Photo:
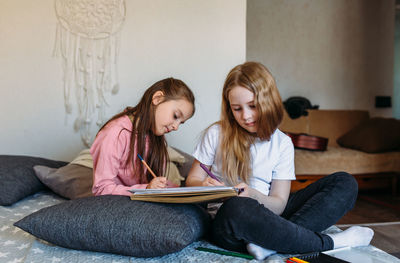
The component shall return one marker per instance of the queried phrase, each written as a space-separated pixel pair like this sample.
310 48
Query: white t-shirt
271 160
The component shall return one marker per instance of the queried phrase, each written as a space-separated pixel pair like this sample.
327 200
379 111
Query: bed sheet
16 243
18 246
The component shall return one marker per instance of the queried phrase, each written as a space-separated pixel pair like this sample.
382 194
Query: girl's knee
346 187
346 180
235 207
233 211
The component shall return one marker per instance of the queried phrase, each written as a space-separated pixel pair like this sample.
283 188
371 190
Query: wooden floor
381 212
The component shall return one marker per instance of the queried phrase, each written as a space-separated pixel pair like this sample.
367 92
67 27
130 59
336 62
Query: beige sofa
372 170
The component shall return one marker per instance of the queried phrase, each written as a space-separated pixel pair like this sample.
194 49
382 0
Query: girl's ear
157 97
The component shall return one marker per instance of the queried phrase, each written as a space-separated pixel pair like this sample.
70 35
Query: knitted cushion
18 180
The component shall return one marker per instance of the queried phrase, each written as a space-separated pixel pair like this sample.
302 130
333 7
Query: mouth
250 124
167 130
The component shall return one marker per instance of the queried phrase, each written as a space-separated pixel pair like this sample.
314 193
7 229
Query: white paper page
182 189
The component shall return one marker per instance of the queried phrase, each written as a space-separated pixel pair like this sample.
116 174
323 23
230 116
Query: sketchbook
196 194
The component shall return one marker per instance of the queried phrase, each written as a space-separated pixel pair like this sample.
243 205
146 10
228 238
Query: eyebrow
235 104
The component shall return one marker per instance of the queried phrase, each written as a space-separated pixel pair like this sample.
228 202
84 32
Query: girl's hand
211 182
245 187
157 183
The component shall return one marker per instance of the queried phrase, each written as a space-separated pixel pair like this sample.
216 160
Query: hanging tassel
89 57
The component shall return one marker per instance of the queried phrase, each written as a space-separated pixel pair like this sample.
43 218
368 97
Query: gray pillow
71 181
116 224
18 180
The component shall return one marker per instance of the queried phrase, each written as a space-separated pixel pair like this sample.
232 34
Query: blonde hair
234 148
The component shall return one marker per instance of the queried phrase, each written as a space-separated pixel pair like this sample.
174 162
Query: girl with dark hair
140 130
246 149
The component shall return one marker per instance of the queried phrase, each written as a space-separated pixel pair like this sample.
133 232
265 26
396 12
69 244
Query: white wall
338 54
197 41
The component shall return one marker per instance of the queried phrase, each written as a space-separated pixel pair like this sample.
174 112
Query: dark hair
143 122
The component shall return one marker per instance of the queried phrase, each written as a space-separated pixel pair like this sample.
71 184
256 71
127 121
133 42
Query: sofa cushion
18 179
116 224
343 159
71 181
332 124
373 136
184 168
176 160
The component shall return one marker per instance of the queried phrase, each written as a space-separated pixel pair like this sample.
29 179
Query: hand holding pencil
211 179
156 182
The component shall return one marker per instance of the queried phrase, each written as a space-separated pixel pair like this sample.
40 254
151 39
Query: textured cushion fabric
175 156
84 158
184 168
71 181
343 159
172 171
116 224
373 136
18 180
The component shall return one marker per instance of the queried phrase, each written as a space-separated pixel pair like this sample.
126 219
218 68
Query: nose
246 114
175 125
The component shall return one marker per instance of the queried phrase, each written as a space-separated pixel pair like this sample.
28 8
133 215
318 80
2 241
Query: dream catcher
87 40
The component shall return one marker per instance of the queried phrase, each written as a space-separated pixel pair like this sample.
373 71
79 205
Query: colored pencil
148 167
296 260
209 172
225 253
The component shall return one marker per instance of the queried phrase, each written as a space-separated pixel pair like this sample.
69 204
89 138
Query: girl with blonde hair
246 149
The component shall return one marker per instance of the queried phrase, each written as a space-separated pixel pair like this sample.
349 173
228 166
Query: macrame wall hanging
87 40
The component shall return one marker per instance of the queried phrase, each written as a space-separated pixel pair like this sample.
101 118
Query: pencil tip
140 157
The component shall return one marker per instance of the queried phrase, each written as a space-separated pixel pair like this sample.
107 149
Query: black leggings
242 220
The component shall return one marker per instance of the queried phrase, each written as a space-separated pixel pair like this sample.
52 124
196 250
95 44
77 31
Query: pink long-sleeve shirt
110 150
